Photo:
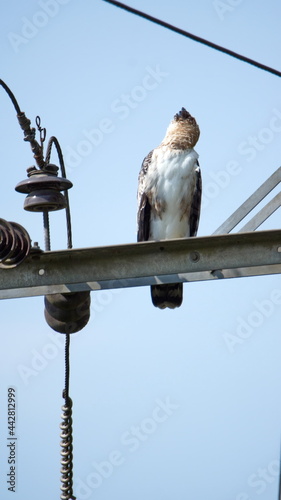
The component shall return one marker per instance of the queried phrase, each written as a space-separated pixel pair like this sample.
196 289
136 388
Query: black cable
46 226
12 97
24 122
66 434
54 140
195 38
67 367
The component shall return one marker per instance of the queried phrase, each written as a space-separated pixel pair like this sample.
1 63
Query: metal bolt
194 256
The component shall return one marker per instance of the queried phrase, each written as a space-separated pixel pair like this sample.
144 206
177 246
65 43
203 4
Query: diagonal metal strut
251 203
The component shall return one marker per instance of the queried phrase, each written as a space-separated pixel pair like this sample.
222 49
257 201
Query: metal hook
38 122
42 130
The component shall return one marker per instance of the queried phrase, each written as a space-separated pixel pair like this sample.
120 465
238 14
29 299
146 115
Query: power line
195 38
12 97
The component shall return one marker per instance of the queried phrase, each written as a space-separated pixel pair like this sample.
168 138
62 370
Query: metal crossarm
138 264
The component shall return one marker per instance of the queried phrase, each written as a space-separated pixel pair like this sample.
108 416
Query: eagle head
184 115
183 131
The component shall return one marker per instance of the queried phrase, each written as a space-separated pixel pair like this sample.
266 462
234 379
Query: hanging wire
46 227
46 221
54 140
66 452
67 367
195 38
66 434
66 424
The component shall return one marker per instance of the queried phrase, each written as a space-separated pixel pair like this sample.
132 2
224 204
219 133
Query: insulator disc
66 326
67 313
68 300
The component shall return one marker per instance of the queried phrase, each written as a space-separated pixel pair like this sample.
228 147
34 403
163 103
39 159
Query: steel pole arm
138 264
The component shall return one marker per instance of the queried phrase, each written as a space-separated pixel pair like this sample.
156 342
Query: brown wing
196 204
144 209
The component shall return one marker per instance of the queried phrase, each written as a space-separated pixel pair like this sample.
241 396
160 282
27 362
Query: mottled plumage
169 195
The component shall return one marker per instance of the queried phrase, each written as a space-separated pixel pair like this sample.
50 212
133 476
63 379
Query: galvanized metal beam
138 264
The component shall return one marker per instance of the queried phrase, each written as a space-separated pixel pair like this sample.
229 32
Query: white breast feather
171 179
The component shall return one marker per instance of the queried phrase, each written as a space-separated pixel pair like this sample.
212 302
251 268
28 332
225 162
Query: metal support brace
251 203
192 259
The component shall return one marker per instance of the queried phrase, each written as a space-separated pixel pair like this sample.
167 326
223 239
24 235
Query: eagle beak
182 114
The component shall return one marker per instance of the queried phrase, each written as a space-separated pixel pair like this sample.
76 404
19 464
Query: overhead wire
12 97
195 38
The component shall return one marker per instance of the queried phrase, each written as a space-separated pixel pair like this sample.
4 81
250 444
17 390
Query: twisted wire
29 133
66 434
29 136
66 452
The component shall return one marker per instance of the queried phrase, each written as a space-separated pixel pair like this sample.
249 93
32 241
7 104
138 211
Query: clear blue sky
164 406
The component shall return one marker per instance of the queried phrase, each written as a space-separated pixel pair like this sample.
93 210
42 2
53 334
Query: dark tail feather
167 295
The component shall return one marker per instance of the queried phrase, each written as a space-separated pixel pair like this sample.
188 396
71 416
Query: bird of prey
169 195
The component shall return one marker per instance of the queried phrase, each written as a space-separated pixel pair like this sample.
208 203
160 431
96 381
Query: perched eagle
169 195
